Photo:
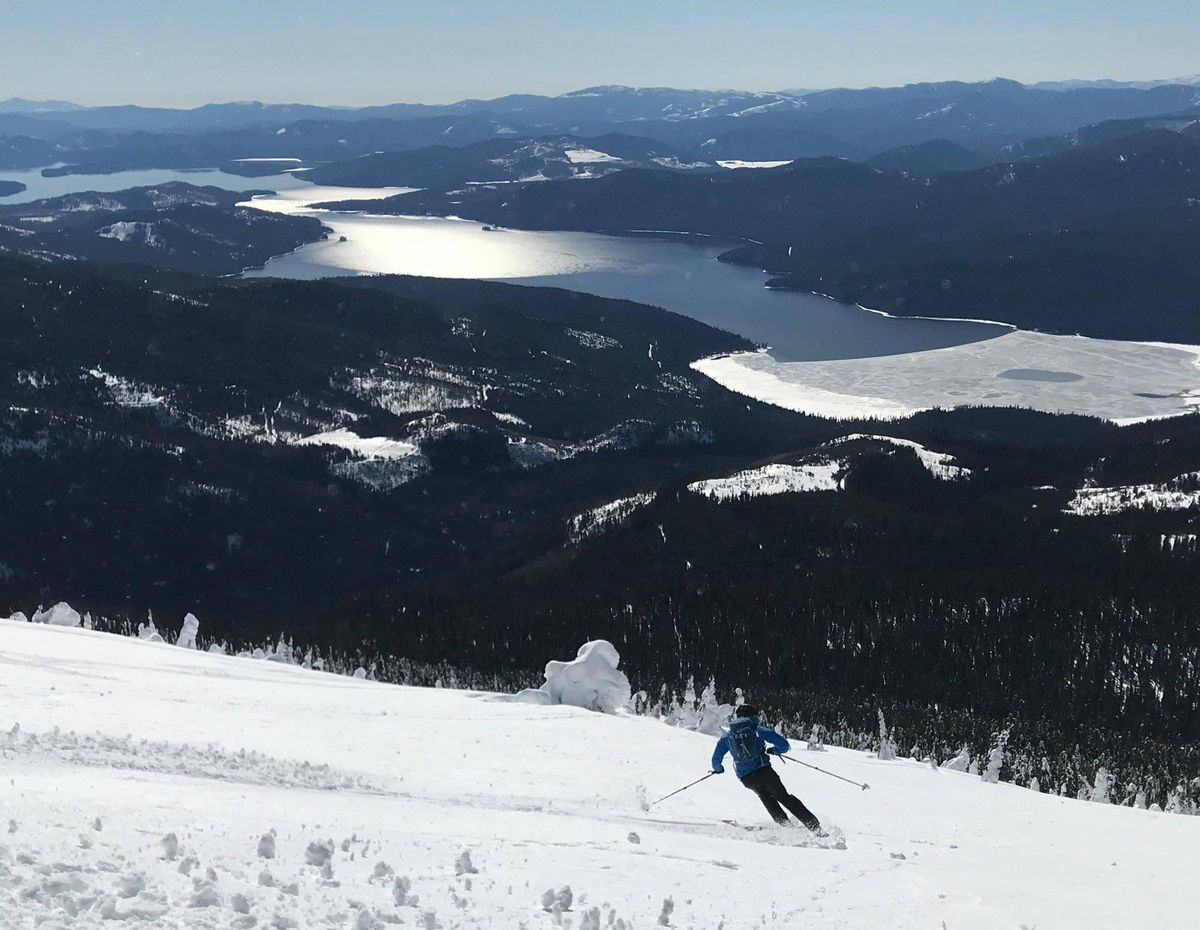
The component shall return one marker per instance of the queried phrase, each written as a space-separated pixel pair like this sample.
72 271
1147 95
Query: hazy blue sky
185 52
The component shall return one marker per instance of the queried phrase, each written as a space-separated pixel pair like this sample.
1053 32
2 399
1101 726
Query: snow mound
591 680
772 479
61 614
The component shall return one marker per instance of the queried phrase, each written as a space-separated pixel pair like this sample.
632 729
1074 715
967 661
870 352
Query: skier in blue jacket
747 742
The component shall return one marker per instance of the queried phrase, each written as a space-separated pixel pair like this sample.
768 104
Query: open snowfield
123 742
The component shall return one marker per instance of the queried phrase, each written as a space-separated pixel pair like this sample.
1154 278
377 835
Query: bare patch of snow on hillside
128 393
603 518
735 163
772 479
586 156
590 340
136 232
939 464
1179 493
367 447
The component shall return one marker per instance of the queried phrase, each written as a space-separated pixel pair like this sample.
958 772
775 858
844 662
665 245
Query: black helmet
746 710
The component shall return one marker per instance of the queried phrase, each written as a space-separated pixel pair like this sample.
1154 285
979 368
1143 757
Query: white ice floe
1124 382
600 519
939 464
219 751
772 479
1179 493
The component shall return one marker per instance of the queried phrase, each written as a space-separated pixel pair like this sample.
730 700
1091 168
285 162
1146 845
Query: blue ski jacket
745 765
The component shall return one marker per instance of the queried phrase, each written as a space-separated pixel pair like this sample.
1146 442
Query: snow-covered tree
887 745
996 759
189 632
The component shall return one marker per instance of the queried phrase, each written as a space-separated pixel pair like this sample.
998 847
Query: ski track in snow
173 772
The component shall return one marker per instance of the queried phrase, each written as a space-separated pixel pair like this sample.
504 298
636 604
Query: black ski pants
770 790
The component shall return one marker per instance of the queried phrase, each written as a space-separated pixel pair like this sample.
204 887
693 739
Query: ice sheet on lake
1124 382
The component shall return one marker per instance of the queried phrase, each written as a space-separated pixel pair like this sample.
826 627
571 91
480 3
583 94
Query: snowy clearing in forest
584 156
368 447
1180 493
939 464
600 519
188 790
771 479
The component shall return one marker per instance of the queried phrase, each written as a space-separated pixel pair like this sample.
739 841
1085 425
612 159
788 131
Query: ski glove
719 770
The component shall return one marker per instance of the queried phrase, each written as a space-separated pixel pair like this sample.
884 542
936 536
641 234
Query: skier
747 742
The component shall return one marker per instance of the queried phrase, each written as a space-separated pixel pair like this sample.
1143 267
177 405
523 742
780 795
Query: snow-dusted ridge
603 518
775 478
188 790
941 465
1179 493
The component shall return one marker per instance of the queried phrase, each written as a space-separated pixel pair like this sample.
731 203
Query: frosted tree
887 745
1101 792
711 713
1177 800
1034 784
815 742
961 762
148 631
189 632
996 759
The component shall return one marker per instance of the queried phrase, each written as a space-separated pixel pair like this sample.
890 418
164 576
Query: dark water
684 277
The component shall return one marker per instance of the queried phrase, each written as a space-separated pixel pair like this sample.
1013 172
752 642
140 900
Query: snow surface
150 805
772 479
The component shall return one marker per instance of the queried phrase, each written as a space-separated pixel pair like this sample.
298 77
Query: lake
681 276
825 358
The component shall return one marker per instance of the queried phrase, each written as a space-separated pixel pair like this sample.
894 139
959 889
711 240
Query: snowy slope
122 742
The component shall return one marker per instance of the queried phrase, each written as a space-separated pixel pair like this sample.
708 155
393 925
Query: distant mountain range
506 160
982 117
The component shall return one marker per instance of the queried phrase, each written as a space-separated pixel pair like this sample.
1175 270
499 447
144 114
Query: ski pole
684 788
863 785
